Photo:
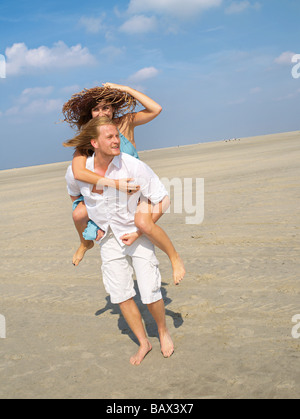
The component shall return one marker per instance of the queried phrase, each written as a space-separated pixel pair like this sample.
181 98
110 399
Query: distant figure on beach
116 102
115 214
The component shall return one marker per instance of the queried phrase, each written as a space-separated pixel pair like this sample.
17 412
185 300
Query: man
114 212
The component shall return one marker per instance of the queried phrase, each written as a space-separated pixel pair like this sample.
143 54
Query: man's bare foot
178 269
141 353
166 344
80 252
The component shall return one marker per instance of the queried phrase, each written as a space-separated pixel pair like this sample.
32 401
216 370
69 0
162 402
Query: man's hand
100 234
130 238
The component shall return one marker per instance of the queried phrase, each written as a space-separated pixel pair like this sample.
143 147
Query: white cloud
31 92
92 24
236 102
180 8
240 6
255 90
36 107
37 91
289 96
216 29
285 58
71 89
144 74
21 59
139 24
112 51
34 101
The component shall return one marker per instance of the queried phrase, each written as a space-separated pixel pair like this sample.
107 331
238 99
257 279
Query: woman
117 102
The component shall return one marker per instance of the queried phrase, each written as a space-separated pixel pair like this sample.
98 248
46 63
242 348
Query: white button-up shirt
113 208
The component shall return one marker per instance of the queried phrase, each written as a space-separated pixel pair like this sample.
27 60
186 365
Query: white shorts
117 270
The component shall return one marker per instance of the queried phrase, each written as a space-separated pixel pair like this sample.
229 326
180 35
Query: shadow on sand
149 322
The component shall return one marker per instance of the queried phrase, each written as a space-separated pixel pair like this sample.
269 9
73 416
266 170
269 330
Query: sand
231 318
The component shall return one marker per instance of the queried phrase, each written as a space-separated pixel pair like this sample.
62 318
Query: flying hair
77 111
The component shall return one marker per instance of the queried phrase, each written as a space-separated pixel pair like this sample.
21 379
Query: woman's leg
80 218
145 219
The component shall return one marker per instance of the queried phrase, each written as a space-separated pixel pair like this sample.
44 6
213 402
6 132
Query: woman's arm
81 173
152 108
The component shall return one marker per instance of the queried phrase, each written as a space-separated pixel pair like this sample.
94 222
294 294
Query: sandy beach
231 317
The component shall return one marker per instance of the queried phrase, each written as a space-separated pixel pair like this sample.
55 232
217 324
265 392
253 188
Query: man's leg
117 277
133 318
148 278
157 310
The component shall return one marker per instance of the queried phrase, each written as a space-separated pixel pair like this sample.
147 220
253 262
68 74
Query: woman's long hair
78 110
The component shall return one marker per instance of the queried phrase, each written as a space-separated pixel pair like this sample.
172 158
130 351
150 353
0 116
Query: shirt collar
116 161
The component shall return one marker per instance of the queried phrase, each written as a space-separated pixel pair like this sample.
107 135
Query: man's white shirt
113 208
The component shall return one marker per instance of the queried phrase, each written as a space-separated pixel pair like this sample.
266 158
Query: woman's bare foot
166 344
141 353
80 252
178 269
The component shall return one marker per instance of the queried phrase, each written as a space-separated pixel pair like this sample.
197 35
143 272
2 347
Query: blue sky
219 68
